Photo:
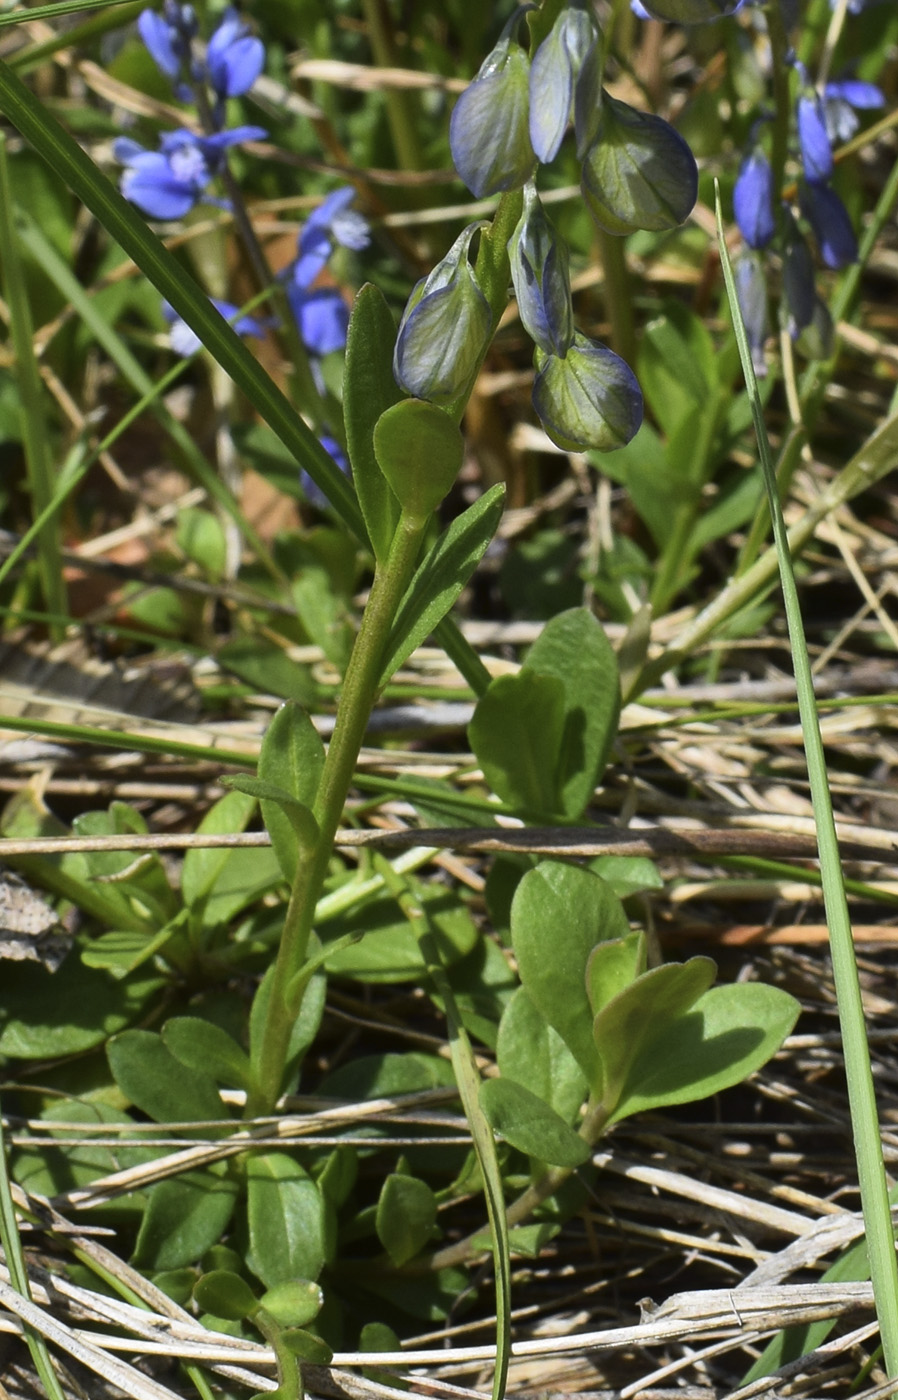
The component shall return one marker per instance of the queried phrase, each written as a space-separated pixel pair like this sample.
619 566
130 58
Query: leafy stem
360 690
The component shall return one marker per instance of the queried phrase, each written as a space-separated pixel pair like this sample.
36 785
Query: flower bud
539 270
444 329
488 131
590 398
553 74
798 282
753 200
816 152
638 173
830 221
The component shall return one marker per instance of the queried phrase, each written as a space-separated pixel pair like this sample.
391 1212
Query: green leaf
47 1014
573 647
152 1079
419 449
441 577
369 389
185 1216
632 1021
406 1215
305 1027
628 874
558 915
531 1125
225 1294
286 1218
727 1034
293 1303
203 1046
516 734
122 950
292 758
203 865
612 966
530 1052
306 1346
300 818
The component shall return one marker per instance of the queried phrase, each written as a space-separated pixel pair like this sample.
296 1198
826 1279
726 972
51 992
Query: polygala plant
586 1025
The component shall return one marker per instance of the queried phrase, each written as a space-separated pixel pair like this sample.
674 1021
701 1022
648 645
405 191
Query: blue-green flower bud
444 329
553 74
489 129
590 398
638 172
539 270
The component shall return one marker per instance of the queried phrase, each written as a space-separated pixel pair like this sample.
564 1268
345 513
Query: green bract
638 173
444 329
590 398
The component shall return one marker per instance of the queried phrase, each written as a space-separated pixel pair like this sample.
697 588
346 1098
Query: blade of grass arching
858 1073
18 1277
30 55
468 1080
59 7
187 451
123 739
33 409
66 158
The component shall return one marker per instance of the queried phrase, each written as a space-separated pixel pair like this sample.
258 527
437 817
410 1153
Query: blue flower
489 132
816 152
168 38
332 222
322 317
444 330
166 184
753 200
831 223
842 100
539 270
185 341
233 57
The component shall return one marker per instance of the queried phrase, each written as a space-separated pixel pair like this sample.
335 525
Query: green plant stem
617 291
360 689
401 114
592 1128
858 1072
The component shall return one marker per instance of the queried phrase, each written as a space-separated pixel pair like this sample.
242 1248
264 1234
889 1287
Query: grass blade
861 1095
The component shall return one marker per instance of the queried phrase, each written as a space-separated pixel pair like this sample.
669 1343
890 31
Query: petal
863 96
590 398
236 68
489 129
323 318
753 200
690 11
816 152
152 186
161 40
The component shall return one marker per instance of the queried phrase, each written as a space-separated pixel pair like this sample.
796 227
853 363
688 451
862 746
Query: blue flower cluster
820 120
169 182
636 173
